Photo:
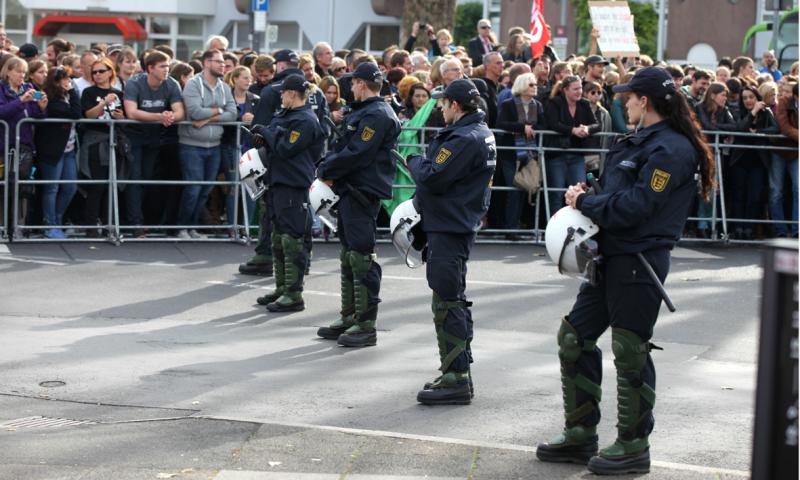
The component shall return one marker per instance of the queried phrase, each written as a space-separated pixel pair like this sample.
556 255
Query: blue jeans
197 164
230 165
145 154
778 166
562 171
56 196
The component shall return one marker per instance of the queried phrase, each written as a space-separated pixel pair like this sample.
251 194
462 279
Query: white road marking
472 443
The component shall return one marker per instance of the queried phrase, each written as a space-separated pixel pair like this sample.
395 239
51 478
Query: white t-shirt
80 84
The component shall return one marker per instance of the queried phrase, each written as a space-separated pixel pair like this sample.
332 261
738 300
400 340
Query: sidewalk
128 442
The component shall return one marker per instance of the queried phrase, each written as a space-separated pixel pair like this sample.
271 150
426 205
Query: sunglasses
485 27
531 84
339 69
592 93
98 72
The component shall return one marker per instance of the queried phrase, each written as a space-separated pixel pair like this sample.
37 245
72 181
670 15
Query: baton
659 286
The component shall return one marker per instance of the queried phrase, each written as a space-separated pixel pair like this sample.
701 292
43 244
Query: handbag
528 177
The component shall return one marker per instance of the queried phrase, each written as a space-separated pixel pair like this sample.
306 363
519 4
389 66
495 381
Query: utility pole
662 29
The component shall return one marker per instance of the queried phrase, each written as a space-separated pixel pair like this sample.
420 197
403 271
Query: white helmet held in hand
407 235
570 246
252 172
323 202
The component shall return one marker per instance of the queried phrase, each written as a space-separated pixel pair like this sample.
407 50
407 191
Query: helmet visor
403 240
254 187
327 216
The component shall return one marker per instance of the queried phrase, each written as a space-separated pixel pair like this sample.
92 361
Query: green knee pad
360 266
569 350
346 282
630 358
440 309
294 267
278 260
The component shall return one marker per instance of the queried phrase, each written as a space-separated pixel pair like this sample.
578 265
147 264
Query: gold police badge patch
366 134
442 156
294 136
659 180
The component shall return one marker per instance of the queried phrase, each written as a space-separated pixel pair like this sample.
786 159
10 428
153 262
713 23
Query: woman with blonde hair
37 73
126 66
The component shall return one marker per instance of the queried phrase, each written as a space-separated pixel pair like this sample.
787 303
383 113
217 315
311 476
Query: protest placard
614 21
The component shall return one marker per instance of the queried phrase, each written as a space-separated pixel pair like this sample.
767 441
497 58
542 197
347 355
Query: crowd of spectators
520 95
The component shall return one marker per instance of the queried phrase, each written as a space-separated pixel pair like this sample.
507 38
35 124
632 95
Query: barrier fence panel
116 230
714 213
8 163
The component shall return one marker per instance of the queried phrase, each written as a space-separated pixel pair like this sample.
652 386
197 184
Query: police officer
361 170
294 140
453 180
648 186
286 63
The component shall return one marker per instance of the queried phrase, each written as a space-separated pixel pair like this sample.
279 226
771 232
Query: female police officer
453 194
647 189
295 141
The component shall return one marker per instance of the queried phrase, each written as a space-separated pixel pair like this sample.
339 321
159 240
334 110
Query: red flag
540 35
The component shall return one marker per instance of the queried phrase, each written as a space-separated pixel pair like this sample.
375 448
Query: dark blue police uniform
268 106
648 187
294 140
362 171
453 180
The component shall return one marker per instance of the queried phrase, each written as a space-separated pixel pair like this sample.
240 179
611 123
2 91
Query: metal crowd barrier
7 164
117 230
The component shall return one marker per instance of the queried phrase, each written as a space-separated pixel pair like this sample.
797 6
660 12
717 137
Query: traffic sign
260 5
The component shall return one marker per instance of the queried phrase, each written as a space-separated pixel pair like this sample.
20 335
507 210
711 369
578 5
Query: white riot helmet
323 202
407 235
570 246
252 172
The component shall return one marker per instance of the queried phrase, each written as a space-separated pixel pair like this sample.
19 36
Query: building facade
185 24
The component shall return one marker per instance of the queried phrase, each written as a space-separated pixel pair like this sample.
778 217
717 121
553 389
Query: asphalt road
162 348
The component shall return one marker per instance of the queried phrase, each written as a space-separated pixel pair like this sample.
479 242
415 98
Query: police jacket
295 141
360 158
453 177
271 100
648 187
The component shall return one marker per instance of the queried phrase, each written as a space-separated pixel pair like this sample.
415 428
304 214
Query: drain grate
42 422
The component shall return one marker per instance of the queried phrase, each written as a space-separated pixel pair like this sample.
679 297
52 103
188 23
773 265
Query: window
16 16
190 26
160 25
360 40
288 36
186 47
381 36
242 35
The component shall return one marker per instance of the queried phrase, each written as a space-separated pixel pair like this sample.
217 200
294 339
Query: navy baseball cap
462 91
653 82
368 71
28 51
295 82
593 59
287 55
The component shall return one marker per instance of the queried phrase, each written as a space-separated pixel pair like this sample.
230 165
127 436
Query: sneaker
184 234
196 235
55 233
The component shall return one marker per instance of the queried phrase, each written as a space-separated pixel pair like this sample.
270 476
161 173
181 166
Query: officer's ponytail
675 109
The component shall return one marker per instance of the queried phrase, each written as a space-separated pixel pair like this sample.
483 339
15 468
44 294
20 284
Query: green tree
467 16
645 24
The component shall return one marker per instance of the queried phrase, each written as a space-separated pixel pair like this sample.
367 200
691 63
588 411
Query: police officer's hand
573 192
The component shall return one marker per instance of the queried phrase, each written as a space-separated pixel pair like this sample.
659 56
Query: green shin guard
279 268
362 332
347 312
291 298
577 443
451 387
635 401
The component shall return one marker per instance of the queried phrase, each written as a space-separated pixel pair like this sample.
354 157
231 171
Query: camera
37 95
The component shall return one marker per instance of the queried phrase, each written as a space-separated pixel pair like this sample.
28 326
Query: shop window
160 25
16 16
190 26
381 36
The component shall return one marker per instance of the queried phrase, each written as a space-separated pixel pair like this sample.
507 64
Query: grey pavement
179 374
